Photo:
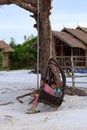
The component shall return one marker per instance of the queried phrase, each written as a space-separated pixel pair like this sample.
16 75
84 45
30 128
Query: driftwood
75 91
28 94
68 91
5 103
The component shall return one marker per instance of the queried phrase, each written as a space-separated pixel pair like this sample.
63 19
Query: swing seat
50 99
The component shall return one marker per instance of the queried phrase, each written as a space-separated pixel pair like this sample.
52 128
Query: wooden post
62 54
86 59
72 63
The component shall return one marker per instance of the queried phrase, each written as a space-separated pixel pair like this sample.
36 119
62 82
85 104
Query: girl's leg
35 104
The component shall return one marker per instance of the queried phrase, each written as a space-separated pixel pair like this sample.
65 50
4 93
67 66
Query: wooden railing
78 61
69 64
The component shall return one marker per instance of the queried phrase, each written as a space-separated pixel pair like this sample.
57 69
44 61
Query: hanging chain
38 44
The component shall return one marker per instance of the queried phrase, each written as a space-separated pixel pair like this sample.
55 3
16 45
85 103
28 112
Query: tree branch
2 2
32 2
30 5
27 7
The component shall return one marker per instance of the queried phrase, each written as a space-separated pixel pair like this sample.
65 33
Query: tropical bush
24 55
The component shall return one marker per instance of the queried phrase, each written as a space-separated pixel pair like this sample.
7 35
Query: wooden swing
46 97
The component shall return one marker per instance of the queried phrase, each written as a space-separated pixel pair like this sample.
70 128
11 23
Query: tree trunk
46 40
47 47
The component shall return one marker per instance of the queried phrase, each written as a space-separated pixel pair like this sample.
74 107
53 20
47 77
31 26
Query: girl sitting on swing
52 90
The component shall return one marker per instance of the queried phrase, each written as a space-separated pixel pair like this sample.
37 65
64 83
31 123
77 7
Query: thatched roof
4 47
82 28
78 34
75 38
69 39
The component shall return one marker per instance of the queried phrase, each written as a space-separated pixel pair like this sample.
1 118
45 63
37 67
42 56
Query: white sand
72 115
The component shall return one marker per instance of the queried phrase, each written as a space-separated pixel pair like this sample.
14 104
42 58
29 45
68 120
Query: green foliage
12 43
1 60
24 55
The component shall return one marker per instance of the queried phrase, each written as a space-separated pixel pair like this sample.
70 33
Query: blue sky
15 22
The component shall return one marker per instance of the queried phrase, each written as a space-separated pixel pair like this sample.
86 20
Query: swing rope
38 44
50 45
51 37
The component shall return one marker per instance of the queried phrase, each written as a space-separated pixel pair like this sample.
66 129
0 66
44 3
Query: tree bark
45 34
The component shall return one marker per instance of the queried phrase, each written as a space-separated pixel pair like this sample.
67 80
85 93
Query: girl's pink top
48 89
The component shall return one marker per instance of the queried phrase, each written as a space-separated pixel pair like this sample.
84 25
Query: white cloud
71 20
16 30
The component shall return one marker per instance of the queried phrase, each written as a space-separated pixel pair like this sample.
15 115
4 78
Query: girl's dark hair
53 82
45 80
42 78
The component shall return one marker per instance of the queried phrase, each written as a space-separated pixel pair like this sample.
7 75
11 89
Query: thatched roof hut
71 43
5 48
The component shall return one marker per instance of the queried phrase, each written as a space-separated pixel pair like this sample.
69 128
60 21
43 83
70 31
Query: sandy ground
71 115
